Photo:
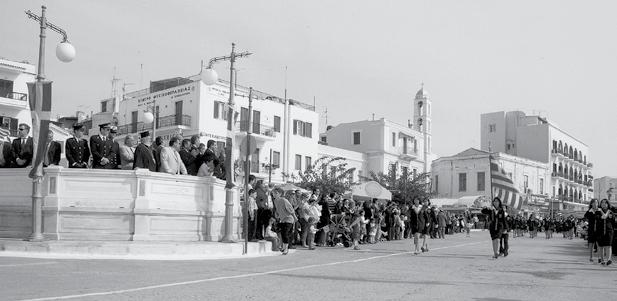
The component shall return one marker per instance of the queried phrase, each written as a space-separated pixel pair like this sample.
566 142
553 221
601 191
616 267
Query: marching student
604 231
496 217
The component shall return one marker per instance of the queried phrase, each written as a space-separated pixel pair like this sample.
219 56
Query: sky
354 58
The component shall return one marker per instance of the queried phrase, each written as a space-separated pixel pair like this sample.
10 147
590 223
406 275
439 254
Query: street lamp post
210 77
65 53
151 116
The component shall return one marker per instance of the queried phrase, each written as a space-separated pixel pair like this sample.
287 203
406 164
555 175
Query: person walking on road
604 231
496 217
417 224
590 215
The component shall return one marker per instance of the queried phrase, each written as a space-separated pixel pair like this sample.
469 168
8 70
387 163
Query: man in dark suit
23 148
101 147
143 153
190 162
53 151
76 148
156 151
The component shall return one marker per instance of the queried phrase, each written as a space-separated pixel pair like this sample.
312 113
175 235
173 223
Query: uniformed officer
76 148
102 148
115 158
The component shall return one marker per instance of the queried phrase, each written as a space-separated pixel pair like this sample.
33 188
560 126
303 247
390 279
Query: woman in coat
604 231
590 216
496 218
426 220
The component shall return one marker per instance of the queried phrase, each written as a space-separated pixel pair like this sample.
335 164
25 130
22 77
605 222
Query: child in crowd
356 226
373 233
272 236
312 229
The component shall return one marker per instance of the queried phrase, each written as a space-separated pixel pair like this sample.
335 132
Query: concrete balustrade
117 205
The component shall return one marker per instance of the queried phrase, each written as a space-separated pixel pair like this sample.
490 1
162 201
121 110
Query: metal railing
162 122
15 95
256 128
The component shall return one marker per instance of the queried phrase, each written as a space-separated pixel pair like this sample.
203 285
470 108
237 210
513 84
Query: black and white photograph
308 150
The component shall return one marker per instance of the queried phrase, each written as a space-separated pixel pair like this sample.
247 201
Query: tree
405 186
326 174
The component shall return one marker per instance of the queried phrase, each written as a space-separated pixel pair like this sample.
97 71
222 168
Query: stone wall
117 205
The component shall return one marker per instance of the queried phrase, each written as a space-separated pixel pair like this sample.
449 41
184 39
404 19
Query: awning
371 190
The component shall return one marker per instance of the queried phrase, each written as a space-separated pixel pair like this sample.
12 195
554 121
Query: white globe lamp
65 52
209 76
148 117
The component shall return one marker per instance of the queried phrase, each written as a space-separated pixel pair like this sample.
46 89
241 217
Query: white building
468 174
539 139
387 145
284 128
605 188
14 106
353 159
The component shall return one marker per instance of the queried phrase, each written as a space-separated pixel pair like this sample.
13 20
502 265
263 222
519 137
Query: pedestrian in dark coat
143 154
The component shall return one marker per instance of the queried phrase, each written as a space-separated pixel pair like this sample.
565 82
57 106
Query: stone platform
136 250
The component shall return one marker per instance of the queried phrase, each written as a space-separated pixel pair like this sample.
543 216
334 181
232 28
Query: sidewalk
133 250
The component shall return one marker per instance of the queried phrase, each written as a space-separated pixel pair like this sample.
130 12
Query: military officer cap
104 126
78 126
144 134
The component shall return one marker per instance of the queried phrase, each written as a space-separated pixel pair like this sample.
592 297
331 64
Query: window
393 139
298 162
324 139
415 173
308 162
6 88
436 183
103 106
134 122
404 145
219 111
244 119
405 170
179 112
304 129
541 191
481 182
356 138
277 124
276 159
255 161
525 183
492 128
462 182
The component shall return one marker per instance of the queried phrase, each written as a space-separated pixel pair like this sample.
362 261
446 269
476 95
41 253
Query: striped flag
503 187
4 133
41 114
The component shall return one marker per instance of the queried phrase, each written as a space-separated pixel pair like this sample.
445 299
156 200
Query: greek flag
503 187
41 114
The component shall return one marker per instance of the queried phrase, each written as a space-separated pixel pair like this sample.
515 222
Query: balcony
163 122
14 99
260 132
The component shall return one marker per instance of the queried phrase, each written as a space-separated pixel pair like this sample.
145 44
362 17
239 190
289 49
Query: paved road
457 268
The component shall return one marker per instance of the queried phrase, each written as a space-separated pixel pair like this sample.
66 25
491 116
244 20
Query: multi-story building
14 106
605 188
539 139
284 129
387 145
468 174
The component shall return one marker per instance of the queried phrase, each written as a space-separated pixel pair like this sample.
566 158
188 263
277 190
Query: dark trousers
252 226
503 243
286 232
263 217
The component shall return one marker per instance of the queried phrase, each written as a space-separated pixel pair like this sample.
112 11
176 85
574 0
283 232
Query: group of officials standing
102 152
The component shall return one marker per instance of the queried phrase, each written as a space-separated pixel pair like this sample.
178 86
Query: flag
4 133
41 114
503 187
